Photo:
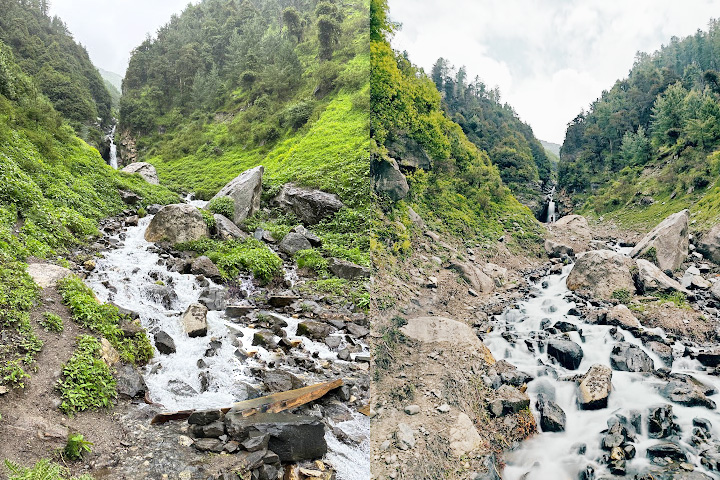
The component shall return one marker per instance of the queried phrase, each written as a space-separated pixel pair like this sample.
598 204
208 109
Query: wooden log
277 402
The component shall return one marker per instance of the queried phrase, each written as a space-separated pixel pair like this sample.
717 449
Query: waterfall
551 216
112 159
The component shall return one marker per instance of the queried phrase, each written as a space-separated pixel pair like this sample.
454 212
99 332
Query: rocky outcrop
509 400
46 275
667 244
552 417
347 270
293 243
245 191
145 170
595 387
621 316
409 153
475 277
651 279
558 250
568 353
599 273
627 357
194 320
177 223
389 180
225 229
709 244
309 205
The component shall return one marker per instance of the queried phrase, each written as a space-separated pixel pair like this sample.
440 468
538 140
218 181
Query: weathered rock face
510 400
685 391
651 279
667 244
293 243
558 250
627 357
347 270
599 273
409 153
568 353
595 387
145 170
47 275
464 438
195 320
552 417
163 294
477 279
177 223
226 229
621 316
245 190
709 244
310 206
389 180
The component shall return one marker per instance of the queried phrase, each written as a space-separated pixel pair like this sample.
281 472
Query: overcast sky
550 58
110 29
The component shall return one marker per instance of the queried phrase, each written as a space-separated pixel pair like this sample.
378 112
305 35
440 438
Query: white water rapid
551 215
112 158
131 277
554 456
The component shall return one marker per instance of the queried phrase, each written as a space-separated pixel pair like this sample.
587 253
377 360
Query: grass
677 298
105 320
86 382
385 347
42 470
341 290
51 322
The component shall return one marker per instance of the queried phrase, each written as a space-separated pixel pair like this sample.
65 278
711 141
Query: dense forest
649 140
456 189
494 127
60 67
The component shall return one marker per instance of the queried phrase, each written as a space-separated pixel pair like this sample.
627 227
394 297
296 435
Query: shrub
76 447
208 217
222 206
86 381
313 260
51 322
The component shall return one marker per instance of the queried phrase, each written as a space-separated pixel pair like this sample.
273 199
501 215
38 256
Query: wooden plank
277 402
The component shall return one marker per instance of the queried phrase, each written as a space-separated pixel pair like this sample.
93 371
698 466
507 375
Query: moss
623 295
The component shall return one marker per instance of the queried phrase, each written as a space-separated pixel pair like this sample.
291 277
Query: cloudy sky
550 58
110 29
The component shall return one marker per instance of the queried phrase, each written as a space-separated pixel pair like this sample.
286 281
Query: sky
550 58
111 29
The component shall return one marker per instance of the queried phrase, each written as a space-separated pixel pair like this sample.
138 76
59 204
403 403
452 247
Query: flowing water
551 214
131 277
112 158
554 455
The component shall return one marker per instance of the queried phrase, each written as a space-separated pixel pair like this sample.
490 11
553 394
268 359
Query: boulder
568 353
651 279
164 343
595 387
46 275
509 400
308 205
409 153
552 417
204 266
145 170
464 437
293 243
194 320
177 223
599 273
684 391
627 357
558 250
446 330
225 229
130 383
214 298
475 277
161 294
281 380
128 197
348 270
315 330
709 244
405 437
314 240
293 438
667 244
245 191
573 223
389 180
666 450
709 358
621 316
660 422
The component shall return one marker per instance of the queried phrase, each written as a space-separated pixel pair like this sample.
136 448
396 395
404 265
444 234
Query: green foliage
104 319
222 206
51 322
208 217
623 295
313 260
86 382
42 470
679 299
234 256
76 447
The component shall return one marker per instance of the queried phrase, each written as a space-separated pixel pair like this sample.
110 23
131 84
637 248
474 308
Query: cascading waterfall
112 158
550 218
557 455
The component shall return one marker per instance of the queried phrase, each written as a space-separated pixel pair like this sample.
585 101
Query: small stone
412 409
444 408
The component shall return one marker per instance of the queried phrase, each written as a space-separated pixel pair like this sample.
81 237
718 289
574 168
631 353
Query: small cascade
112 158
551 215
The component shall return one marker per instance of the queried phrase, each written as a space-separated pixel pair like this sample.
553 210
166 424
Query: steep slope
60 67
646 147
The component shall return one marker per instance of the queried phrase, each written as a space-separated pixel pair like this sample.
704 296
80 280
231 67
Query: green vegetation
647 147
76 447
623 295
313 260
60 67
104 319
677 298
86 381
222 206
43 470
51 322
385 348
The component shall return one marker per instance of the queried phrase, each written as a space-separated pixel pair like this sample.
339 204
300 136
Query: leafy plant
234 256
208 217
86 381
623 295
313 260
51 322
222 206
76 447
44 469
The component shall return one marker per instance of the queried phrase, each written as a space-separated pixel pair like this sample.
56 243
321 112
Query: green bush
51 322
86 381
222 206
313 260
76 447
42 470
208 217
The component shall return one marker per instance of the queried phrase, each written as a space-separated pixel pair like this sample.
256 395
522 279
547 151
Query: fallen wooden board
277 402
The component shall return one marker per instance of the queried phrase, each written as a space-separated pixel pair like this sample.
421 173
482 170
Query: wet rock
389 180
684 391
225 229
666 450
177 223
264 338
204 417
667 244
245 191
348 270
709 358
182 389
154 208
464 437
651 279
405 437
357 331
204 266
214 298
145 170
595 387
627 357
709 244
660 422
279 300
509 400
661 350
568 353
162 294
130 383
293 243
552 417
238 311
315 330
164 343
310 206
194 320
599 273
281 380
293 438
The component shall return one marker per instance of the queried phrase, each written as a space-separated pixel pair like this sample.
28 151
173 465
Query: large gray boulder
177 223
627 357
709 244
667 244
409 153
389 180
651 279
475 277
552 416
194 320
568 353
145 170
293 243
599 273
595 387
46 275
226 229
245 191
309 205
347 270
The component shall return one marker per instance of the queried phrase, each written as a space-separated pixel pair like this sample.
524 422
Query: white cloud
550 58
